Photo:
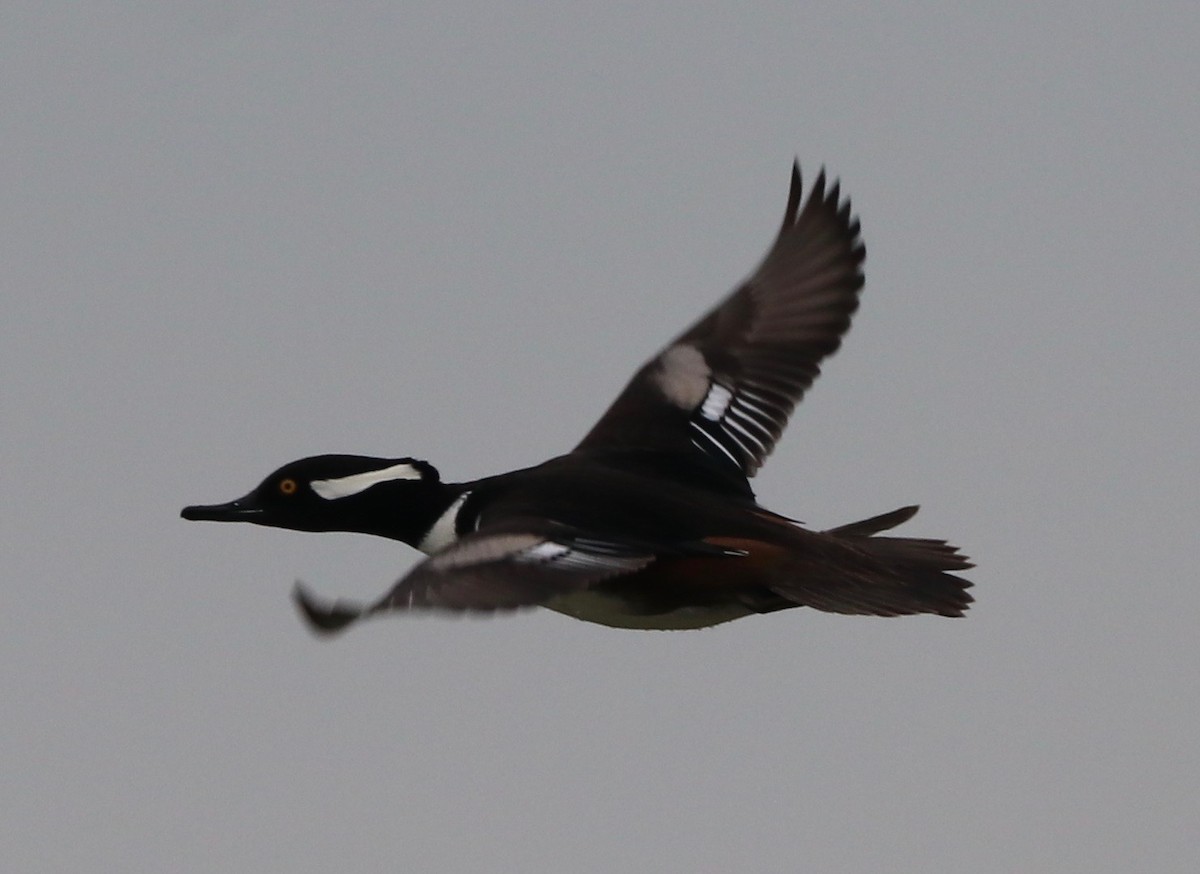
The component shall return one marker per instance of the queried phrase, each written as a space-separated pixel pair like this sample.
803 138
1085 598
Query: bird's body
650 522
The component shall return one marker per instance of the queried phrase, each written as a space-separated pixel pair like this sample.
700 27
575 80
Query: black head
390 497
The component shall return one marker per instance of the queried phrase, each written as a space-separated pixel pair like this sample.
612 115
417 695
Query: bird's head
337 493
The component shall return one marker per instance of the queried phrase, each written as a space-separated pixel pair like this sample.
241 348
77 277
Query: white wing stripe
744 404
715 442
729 423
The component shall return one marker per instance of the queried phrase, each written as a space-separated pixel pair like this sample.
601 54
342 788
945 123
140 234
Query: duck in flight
650 522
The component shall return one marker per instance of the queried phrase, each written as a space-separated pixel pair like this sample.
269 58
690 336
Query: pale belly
604 609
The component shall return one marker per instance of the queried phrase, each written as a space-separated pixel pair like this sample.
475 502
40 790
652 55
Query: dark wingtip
324 617
793 203
818 189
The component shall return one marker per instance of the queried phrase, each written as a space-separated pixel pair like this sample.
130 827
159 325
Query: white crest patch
683 376
345 486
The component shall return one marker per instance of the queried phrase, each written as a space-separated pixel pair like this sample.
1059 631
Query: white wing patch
683 376
483 550
739 422
530 549
569 557
345 486
728 422
546 551
716 402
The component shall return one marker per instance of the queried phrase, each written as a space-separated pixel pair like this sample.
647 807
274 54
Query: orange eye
287 486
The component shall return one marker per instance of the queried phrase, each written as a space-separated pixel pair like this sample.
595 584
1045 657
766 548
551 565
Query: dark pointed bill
241 510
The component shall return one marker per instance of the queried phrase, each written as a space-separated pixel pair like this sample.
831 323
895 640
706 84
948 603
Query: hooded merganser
650 522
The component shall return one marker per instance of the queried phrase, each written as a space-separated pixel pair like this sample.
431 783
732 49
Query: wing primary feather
793 203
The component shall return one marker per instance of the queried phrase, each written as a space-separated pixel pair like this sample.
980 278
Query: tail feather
881 576
875 524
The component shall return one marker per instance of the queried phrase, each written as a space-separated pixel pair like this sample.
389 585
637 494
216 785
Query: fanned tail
881 576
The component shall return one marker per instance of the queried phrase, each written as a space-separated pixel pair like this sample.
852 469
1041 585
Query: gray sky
235 236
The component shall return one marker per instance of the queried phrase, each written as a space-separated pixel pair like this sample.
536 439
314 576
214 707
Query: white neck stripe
444 531
344 486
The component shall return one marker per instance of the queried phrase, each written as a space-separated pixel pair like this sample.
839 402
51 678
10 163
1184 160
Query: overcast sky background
235 235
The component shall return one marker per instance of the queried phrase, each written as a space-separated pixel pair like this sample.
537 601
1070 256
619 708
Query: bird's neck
408 515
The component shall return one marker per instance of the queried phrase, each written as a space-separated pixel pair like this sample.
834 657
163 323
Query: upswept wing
726 386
